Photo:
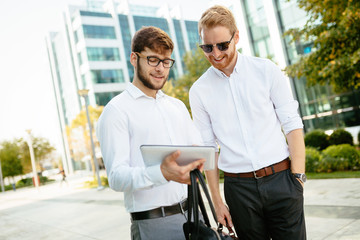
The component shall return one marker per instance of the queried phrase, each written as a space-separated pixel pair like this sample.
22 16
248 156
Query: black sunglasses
223 46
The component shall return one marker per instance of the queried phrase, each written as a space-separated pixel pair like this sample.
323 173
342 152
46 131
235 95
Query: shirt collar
137 93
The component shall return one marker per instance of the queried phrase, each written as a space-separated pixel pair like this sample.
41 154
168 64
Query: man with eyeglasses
244 105
154 196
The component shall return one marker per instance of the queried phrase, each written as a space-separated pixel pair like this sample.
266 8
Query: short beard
145 80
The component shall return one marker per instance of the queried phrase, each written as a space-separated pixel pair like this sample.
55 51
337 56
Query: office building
93 48
262 24
92 51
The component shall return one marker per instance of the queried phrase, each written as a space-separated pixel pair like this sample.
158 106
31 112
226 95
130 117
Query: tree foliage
196 64
42 151
78 133
10 156
81 119
334 27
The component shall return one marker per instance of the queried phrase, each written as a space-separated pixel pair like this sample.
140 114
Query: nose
216 52
160 67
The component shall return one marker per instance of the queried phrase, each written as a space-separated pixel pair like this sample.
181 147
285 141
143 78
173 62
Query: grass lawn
347 174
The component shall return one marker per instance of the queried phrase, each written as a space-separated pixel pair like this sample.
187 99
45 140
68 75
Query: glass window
161 23
103 98
180 40
126 37
192 32
80 58
103 54
76 35
95 14
107 76
351 118
83 79
99 32
258 28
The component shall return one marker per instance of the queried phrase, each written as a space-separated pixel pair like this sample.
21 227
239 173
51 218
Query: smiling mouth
218 59
158 77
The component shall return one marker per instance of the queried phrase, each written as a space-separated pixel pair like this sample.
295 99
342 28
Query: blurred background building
262 24
92 52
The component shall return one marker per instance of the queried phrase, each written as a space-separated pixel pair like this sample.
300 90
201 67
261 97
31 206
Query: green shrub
317 139
8 187
313 158
340 157
94 183
341 136
24 182
359 138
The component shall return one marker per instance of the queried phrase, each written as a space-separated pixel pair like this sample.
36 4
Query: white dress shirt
130 120
245 113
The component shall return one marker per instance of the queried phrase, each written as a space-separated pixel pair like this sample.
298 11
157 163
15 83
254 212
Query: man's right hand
172 171
222 213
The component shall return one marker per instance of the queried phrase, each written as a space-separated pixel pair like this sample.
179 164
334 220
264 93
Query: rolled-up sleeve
286 107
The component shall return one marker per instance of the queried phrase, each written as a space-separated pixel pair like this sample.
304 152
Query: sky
26 93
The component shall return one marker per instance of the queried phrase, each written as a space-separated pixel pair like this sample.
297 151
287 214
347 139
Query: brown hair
153 38
217 16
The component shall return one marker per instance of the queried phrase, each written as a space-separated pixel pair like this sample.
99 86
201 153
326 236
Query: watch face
303 178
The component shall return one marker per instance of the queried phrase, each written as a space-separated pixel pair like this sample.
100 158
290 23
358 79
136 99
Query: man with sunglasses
244 105
142 114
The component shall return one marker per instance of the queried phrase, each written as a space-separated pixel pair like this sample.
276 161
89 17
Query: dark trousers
267 208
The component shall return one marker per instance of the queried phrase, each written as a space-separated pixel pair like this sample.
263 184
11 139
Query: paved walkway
332 210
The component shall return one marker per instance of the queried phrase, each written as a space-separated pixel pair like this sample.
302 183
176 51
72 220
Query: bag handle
206 191
196 174
193 202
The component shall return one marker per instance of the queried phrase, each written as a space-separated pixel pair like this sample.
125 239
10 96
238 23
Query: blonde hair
217 16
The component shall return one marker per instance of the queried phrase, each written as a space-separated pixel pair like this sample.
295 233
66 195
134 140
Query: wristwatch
301 176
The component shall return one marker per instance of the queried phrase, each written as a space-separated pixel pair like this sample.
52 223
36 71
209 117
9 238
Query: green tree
196 64
334 28
10 156
80 147
42 150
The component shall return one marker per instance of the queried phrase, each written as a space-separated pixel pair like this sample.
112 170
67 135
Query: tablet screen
154 154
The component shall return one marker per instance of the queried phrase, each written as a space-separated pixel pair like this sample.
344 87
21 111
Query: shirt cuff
155 175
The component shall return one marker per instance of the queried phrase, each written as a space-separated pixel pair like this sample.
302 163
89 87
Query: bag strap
204 187
193 205
202 206
203 209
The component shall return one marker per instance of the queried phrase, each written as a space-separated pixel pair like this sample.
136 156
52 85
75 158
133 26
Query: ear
133 59
236 37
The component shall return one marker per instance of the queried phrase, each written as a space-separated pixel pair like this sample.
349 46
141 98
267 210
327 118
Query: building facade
262 24
93 49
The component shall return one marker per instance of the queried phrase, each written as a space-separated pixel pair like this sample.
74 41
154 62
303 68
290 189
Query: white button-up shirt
130 120
245 113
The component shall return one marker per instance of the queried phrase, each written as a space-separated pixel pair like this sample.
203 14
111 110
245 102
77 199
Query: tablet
154 154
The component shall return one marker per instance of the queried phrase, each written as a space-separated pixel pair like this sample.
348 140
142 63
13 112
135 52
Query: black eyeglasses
155 61
223 46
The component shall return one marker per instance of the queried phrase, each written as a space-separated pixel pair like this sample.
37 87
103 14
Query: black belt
161 211
266 171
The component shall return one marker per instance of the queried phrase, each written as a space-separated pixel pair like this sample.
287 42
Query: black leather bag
198 229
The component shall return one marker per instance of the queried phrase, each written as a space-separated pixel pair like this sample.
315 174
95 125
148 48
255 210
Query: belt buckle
256 177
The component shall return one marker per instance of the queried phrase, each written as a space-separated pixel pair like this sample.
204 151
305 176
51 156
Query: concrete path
332 211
